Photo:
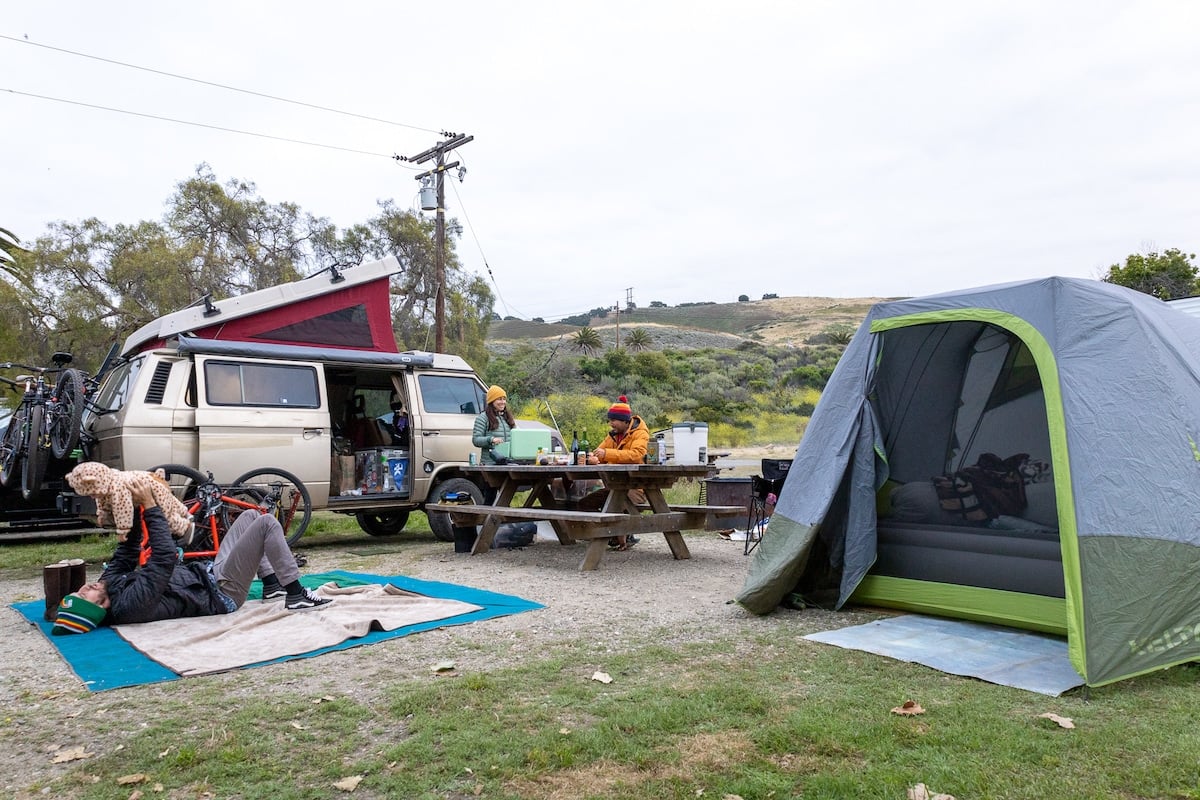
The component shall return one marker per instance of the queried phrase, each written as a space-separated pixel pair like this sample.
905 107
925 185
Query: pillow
1042 506
918 502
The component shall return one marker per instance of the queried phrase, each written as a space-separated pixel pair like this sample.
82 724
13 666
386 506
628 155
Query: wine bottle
574 447
587 451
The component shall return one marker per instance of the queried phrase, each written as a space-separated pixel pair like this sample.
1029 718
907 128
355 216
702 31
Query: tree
10 246
638 340
96 283
587 341
1167 275
743 298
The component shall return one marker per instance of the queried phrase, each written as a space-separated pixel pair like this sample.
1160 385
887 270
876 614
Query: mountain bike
214 506
45 423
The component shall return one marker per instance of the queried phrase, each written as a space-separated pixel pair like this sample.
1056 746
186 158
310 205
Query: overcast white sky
686 151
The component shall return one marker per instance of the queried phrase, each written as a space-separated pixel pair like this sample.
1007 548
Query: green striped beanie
76 615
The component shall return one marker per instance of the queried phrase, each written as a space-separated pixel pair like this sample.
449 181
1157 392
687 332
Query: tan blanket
264 630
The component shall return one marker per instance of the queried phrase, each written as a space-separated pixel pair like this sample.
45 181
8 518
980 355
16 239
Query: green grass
784 719
762 715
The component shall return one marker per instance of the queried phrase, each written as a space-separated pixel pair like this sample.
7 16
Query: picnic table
619 516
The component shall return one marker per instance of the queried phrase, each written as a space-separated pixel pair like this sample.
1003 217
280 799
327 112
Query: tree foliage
1168 275
95 283
587 341
639 339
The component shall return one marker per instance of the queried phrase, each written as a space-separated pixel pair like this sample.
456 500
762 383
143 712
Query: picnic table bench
618 517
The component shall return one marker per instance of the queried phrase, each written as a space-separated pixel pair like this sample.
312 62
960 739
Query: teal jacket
481 437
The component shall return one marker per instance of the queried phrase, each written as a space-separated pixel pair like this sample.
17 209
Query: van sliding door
256 413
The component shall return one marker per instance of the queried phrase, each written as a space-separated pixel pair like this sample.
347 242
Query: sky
639 151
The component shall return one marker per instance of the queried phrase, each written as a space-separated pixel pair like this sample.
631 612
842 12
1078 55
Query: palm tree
10 245
638 340
588 341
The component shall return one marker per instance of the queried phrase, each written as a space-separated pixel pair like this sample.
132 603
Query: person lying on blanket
163 588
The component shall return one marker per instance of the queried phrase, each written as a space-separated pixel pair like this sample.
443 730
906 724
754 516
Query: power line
218 85
197 124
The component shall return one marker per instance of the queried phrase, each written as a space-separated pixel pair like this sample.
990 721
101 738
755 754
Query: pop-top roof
345 309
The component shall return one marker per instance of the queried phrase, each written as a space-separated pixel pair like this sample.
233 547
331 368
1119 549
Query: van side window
229 383
442 394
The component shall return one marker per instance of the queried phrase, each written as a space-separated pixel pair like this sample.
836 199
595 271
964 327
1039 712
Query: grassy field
760 714
757 717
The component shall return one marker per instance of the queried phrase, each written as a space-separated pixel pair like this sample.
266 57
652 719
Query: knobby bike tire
67 413
36 456
294 509
11 449
185 483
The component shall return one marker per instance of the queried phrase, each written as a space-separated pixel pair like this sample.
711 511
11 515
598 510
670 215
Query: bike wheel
11 448
279 493
67 413
36 456
194 489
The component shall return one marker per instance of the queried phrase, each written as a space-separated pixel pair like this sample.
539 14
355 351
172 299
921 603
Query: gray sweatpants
254 545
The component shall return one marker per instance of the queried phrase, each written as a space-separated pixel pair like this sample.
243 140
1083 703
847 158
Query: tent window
1018 377
346 327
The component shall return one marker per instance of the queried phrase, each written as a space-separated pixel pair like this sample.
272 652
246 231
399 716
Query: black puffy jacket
162 588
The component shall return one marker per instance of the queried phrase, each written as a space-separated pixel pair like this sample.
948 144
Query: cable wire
218 85
478 246
200 124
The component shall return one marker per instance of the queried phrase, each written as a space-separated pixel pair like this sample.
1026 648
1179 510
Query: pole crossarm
438 152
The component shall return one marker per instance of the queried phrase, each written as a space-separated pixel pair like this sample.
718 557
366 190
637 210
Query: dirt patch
43 705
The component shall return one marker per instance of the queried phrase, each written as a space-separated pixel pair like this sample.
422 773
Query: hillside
780 321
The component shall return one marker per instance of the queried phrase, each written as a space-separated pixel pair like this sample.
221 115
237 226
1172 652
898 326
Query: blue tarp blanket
104 660
1022 659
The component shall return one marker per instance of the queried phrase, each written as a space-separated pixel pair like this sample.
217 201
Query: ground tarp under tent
1023 454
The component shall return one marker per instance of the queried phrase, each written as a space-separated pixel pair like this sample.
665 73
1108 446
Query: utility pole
618 308
438 152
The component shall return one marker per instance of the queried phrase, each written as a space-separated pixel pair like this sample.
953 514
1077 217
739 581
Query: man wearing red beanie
626 443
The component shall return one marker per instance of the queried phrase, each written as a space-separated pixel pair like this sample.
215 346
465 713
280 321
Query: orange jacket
632 448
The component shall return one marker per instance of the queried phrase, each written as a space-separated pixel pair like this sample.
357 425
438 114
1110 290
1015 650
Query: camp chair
760 508
364 431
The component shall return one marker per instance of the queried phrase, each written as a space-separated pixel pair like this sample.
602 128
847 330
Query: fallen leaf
921 792
297 725
731 797
910 709
325 699
349 784
163 754
158 787
444 666
136 794
136 777
603 677
1062 722
564 731
71 754
478 789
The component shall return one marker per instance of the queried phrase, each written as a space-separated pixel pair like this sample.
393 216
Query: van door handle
311 433
431 433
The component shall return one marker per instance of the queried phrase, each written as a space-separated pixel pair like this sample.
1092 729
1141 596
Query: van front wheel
439 521
388 524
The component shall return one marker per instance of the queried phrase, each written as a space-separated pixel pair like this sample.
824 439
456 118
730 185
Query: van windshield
114 392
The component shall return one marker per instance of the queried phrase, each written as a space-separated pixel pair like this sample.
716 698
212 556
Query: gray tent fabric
1101 382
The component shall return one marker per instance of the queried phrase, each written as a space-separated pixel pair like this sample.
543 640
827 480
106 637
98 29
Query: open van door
256 413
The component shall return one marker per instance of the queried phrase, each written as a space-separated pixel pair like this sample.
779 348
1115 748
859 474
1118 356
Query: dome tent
1100 383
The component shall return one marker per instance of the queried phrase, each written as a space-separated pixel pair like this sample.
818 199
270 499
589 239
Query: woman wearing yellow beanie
493 425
